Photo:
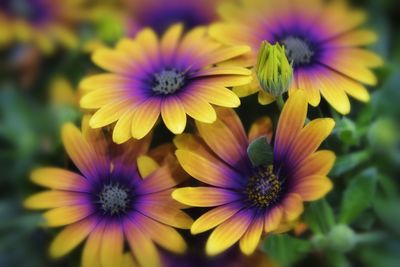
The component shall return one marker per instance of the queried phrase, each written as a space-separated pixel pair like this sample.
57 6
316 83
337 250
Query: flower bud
274 72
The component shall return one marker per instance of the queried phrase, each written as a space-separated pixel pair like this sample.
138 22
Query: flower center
168 81
114 199
263 187
298 50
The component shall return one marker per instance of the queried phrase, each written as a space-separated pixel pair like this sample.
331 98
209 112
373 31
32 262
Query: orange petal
272 219
292 206
311 188
112 245
291 121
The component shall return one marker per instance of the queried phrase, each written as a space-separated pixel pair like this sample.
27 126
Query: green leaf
286 249
319 216
348 162
347 131
260 152
358 195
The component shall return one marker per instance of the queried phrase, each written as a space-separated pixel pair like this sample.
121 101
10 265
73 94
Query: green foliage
260 152
319 216
286 249
358 195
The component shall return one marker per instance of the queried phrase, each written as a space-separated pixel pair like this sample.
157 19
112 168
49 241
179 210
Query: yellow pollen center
263 187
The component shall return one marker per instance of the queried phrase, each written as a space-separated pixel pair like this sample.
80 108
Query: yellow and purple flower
119 195
39 22
161 14
251 200
173 77
322 41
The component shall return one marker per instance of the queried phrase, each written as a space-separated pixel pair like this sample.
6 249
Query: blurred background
45 48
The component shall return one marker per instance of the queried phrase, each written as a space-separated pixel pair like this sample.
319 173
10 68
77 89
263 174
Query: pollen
168 81
298 50
114 199
263 187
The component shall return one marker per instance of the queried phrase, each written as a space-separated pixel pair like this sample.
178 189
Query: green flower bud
273 69
341 238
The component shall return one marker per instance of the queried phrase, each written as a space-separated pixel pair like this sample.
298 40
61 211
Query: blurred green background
358 224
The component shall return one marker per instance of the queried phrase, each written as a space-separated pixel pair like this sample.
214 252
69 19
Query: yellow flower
173 77
322 39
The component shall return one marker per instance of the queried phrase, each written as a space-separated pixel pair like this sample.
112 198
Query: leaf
347 131
260 152
319 217
348 162
358 195
286 249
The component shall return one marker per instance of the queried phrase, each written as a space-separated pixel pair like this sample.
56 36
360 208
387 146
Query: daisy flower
160 14
39 22
251 200
322 41
111 201
173 77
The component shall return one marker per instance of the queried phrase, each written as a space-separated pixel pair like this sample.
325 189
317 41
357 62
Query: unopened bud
274 72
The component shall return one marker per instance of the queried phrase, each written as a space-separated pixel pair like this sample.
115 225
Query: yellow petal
292 206
60 179
265 98
198 108
163 235
142 247
213 218
110 112
91 251
122 129
261 127
53 199
204 196
291 120
146 165
320 162
173 114
112 245
145 117
210 172
250 240
71 237
170 41
228 233
312 187
272 219
219 96
113 61
66 215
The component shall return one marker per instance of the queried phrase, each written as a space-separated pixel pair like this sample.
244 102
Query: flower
110 200
273 69
41 23
174 76
161 14
251 200
322 41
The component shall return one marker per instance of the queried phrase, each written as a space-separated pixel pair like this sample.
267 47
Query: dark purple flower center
32 10
263 187
168 81
114 199
298 50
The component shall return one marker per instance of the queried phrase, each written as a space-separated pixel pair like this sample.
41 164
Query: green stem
280 102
